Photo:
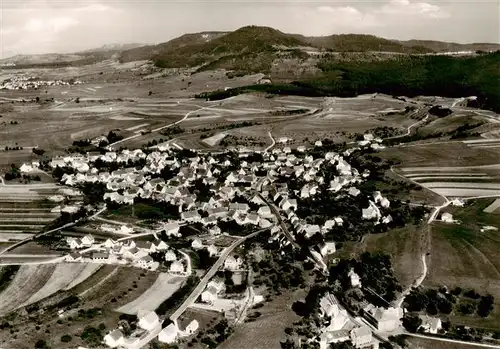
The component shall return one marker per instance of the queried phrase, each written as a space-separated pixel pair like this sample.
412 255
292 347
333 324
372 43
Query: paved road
210 273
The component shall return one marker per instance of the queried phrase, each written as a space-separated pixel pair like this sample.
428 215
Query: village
252 191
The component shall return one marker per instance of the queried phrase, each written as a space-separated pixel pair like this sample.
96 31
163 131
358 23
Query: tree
66 338
412 323
41 344
485 306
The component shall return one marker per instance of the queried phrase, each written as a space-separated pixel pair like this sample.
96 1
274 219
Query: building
176 267
355 279
361 337
447 217
168 334
114 339
431 324
385 320
148 320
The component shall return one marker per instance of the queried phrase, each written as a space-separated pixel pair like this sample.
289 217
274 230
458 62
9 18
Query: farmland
467 256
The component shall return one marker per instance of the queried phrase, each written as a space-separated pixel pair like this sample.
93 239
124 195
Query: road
284 228
408 130
482 345
417 282
210 273
166 126
272 140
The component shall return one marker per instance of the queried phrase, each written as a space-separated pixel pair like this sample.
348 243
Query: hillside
363 43
439 46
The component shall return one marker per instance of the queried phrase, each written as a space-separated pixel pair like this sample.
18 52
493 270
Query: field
164 286
404 245
268 329
467 256
99 290
423 343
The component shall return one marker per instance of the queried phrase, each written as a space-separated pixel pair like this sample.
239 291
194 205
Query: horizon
54 27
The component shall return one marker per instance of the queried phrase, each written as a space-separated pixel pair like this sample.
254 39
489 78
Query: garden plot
28 280
211 141
164 286
61 277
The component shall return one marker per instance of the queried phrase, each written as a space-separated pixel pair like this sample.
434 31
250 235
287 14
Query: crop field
441 154
424 343
460 181
164 286
467 256
23 209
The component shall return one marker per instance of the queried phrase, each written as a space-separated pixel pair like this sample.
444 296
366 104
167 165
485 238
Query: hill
114 48
364 43
439 46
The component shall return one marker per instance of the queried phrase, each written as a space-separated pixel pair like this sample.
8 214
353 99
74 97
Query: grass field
422 343
463 255
267 330
403 245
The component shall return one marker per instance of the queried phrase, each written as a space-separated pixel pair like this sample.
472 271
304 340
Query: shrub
66 338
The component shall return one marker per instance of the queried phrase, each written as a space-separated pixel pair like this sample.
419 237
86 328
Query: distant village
19 82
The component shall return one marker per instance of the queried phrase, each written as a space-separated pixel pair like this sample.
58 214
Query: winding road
272 140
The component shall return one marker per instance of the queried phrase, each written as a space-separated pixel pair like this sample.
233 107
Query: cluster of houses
148 322
127 251
31 82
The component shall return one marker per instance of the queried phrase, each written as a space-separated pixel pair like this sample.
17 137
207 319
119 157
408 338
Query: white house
371 212
233 263
197 244
170 256
114 339
361 336
447 217
176 267
171 228
385 320
288 204
353 191
148 320
430 324
191 328
168 334
87 240
355 279
328 248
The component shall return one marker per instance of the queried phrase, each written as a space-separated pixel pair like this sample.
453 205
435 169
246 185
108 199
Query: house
170 256
265 212
212 250
430 324
327 248
329 307
215 230
371 212
148 320
212 290
355 279
447 217
318 144
329 224
330 337
176 267
361 337
191 216
145 262
252 218
100 256
160 245
339 221
168 334
171 228
288 204
74 243
310 230
114 339
385 320
233 263
73 257
197 244
87 240
457 202
301 148
353 191
191 328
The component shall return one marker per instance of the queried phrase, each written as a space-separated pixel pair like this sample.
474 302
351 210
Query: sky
62 26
